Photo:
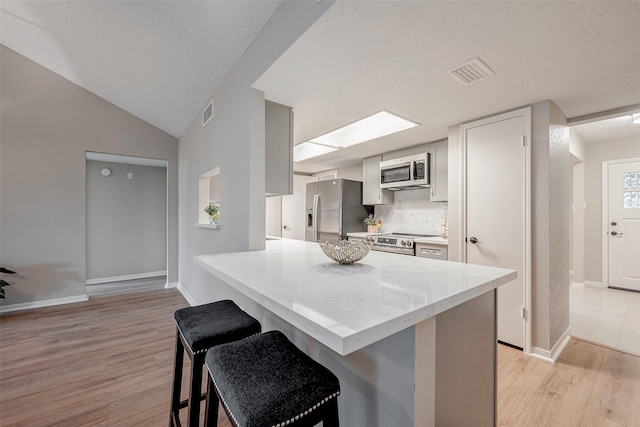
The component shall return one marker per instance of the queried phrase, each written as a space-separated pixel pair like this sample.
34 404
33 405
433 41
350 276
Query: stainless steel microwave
406 173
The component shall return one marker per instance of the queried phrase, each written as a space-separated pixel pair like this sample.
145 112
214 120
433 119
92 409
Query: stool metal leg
195 391
211 407
177 381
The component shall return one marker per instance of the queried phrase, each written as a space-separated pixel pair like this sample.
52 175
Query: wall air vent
471 72
207 114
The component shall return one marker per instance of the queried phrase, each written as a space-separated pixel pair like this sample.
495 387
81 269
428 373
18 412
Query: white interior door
623 226
496 203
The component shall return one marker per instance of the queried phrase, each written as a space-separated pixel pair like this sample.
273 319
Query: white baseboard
596 284
127 277
556 350
40 304
171 285
190 299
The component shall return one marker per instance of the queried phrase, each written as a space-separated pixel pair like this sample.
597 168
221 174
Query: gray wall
126 220
47 125
595 154
234 141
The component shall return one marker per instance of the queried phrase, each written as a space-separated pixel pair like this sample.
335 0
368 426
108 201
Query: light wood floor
107 362
588 386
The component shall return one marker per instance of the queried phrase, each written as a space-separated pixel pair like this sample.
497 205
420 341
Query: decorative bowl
345 252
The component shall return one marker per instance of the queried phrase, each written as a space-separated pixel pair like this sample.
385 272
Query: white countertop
433 240
347 307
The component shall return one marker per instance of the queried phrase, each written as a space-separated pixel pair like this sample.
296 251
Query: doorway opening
599 313
126 223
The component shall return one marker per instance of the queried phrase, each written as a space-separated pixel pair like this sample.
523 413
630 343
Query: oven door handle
401 251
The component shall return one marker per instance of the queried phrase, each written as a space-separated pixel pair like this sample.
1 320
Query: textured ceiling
362 57
604 130
159 60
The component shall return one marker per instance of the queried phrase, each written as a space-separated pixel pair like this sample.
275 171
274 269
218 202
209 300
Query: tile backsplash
412 212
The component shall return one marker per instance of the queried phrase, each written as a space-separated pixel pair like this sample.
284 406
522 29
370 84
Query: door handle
474 240
286 227
615 233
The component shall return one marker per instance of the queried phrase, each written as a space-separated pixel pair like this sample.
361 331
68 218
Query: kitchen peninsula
412 340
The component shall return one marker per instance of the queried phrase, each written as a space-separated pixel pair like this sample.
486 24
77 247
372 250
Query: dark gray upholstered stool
265 380
198 329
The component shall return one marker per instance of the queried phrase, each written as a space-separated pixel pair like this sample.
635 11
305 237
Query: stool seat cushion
219 322
265 380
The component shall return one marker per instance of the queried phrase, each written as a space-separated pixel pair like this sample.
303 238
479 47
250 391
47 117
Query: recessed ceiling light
380 124
307 150
636 118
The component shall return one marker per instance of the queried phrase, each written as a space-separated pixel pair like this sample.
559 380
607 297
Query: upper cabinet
372 194
439 171
278 149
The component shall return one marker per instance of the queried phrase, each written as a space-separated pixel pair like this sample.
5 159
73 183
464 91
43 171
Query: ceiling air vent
207 114
471 72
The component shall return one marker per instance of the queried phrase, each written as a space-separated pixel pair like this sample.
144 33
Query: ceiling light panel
375 126
307 150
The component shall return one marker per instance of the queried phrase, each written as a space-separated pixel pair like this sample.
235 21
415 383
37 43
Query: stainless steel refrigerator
334 208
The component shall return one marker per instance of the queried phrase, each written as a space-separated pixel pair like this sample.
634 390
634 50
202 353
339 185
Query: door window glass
631 180
632 199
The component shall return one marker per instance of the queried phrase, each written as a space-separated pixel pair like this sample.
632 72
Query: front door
496 203
623 227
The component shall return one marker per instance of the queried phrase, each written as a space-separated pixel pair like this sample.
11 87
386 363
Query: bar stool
198 329
264 380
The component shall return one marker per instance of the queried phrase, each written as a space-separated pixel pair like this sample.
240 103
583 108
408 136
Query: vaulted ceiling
161 60
158 60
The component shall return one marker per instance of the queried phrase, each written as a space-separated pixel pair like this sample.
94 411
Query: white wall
234 141
47 125
576 243
595 154
352 172
126 220
577 224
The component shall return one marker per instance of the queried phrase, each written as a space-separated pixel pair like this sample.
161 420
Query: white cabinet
372 194
439 171
278 154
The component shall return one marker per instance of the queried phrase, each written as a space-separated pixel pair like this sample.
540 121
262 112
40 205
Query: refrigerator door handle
316 202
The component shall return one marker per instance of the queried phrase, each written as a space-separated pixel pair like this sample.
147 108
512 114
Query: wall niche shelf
209 226
208 191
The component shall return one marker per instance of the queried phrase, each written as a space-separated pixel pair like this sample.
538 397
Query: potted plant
372 224
213 210
2 282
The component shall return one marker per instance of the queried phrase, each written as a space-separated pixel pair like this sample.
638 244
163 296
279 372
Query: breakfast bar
412 340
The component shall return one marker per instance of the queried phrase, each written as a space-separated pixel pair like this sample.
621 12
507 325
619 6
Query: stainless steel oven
397 243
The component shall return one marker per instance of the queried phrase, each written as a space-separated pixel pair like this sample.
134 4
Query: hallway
605 316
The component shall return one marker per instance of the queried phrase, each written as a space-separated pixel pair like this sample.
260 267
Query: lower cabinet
433 251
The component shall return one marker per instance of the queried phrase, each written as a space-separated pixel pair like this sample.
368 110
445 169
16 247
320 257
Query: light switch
129 175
